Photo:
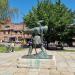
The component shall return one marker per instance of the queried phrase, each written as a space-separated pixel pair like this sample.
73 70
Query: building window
7 26
8 32
4 32
15 32
20 38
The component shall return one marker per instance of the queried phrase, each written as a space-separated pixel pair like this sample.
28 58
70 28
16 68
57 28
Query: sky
24 6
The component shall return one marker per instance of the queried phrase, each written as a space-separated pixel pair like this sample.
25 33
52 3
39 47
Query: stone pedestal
37 63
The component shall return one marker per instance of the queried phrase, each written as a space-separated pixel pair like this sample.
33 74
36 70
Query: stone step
36 63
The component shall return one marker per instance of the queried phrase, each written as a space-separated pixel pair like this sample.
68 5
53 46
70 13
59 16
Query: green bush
2 48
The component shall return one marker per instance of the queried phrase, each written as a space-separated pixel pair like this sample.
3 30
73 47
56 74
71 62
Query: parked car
53 46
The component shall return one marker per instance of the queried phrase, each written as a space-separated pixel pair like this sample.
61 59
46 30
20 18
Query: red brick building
12 32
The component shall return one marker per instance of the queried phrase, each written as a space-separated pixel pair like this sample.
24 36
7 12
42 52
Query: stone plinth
36 63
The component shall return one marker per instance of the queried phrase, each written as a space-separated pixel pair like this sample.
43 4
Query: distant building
12 32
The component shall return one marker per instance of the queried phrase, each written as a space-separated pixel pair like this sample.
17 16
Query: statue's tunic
37 40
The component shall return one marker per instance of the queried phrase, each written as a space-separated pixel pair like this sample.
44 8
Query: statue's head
35 32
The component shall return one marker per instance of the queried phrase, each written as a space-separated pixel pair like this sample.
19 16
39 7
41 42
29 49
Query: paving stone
63 69
20 73
54 72
59 59
32 73
67 57
44 72
73 56
65 64
71 64
61 64
67 73
34 70
2 69
21 70
54 69
6 73
71 69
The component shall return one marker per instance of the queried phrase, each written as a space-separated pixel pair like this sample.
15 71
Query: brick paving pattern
65 64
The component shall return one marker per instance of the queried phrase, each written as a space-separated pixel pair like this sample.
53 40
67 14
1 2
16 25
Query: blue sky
25 6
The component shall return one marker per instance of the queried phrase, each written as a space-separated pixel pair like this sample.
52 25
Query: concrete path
65 64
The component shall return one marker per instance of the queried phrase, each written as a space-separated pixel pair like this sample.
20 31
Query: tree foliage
47 11
6 11
55 15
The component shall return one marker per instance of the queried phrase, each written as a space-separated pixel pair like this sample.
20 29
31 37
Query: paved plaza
65 64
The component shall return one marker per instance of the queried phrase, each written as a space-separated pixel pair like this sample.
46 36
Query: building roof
12 26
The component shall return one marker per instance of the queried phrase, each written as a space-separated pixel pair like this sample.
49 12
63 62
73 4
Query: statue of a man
34 42
37 42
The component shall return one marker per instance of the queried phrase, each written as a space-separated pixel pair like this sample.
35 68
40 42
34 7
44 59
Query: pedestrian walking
7 48
12 46
30 47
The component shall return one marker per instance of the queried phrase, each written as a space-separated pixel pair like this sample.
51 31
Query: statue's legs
35 48
30 50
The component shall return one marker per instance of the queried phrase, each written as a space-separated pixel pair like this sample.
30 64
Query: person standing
12 46
30 47
7 48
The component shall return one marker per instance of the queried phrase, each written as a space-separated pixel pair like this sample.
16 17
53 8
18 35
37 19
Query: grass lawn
65 50
69 50
3 49
18 48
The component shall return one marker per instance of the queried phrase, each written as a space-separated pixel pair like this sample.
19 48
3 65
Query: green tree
68 34
61 17
6 11
55 15
40 12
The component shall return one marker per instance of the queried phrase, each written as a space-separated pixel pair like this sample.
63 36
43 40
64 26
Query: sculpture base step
37 63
